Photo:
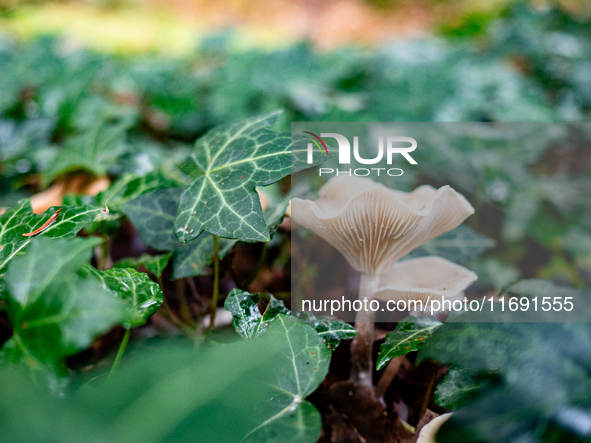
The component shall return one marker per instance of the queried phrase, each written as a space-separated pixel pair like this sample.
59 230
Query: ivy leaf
286 416
20 220
330 330
275 213
153 216
222 393
153 263
95 150
140 296
192 258
459 245
11 233
131 186
459 386
249 322
226 166
410 335
246 316
54 310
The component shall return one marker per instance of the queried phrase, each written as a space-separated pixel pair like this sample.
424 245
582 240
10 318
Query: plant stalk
428 392
362 344
105 248
216 280
390 372
120 353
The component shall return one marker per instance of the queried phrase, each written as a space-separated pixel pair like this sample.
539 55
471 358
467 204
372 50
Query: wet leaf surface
410 334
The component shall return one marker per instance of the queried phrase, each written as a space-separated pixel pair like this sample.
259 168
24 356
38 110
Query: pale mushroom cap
372 225
427 434
425 279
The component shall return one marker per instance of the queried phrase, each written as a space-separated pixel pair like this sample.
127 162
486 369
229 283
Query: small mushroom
427 434
424 279
374 226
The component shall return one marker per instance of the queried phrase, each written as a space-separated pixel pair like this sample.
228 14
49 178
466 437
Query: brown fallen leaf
77 184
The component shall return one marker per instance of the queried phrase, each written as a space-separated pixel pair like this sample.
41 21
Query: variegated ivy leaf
227 164
139 295
20 220
246 316
153 216
330 330
249 322
153 263
410 335
131 186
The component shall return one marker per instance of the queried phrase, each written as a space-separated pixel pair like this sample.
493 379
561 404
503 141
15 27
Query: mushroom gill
373 226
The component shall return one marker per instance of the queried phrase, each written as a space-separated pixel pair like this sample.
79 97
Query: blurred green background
100 89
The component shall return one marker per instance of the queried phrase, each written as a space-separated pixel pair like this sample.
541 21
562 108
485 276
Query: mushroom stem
362 344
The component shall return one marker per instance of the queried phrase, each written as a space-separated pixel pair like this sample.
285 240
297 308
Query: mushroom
374 226
427 434
424 279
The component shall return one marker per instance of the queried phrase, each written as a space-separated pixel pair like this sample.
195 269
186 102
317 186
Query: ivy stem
390 372
104 247
184 308
120 353
216 280
428 392
362 344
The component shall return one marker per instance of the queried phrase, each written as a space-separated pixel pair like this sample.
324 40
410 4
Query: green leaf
20 220
304 364
542 370
330 330
458 387
246 316
275 213
131 186
54 310
94 151
249 322
139 295
153 216
216 393
225 168
410 334
153 263
459 245
193 258
11 233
